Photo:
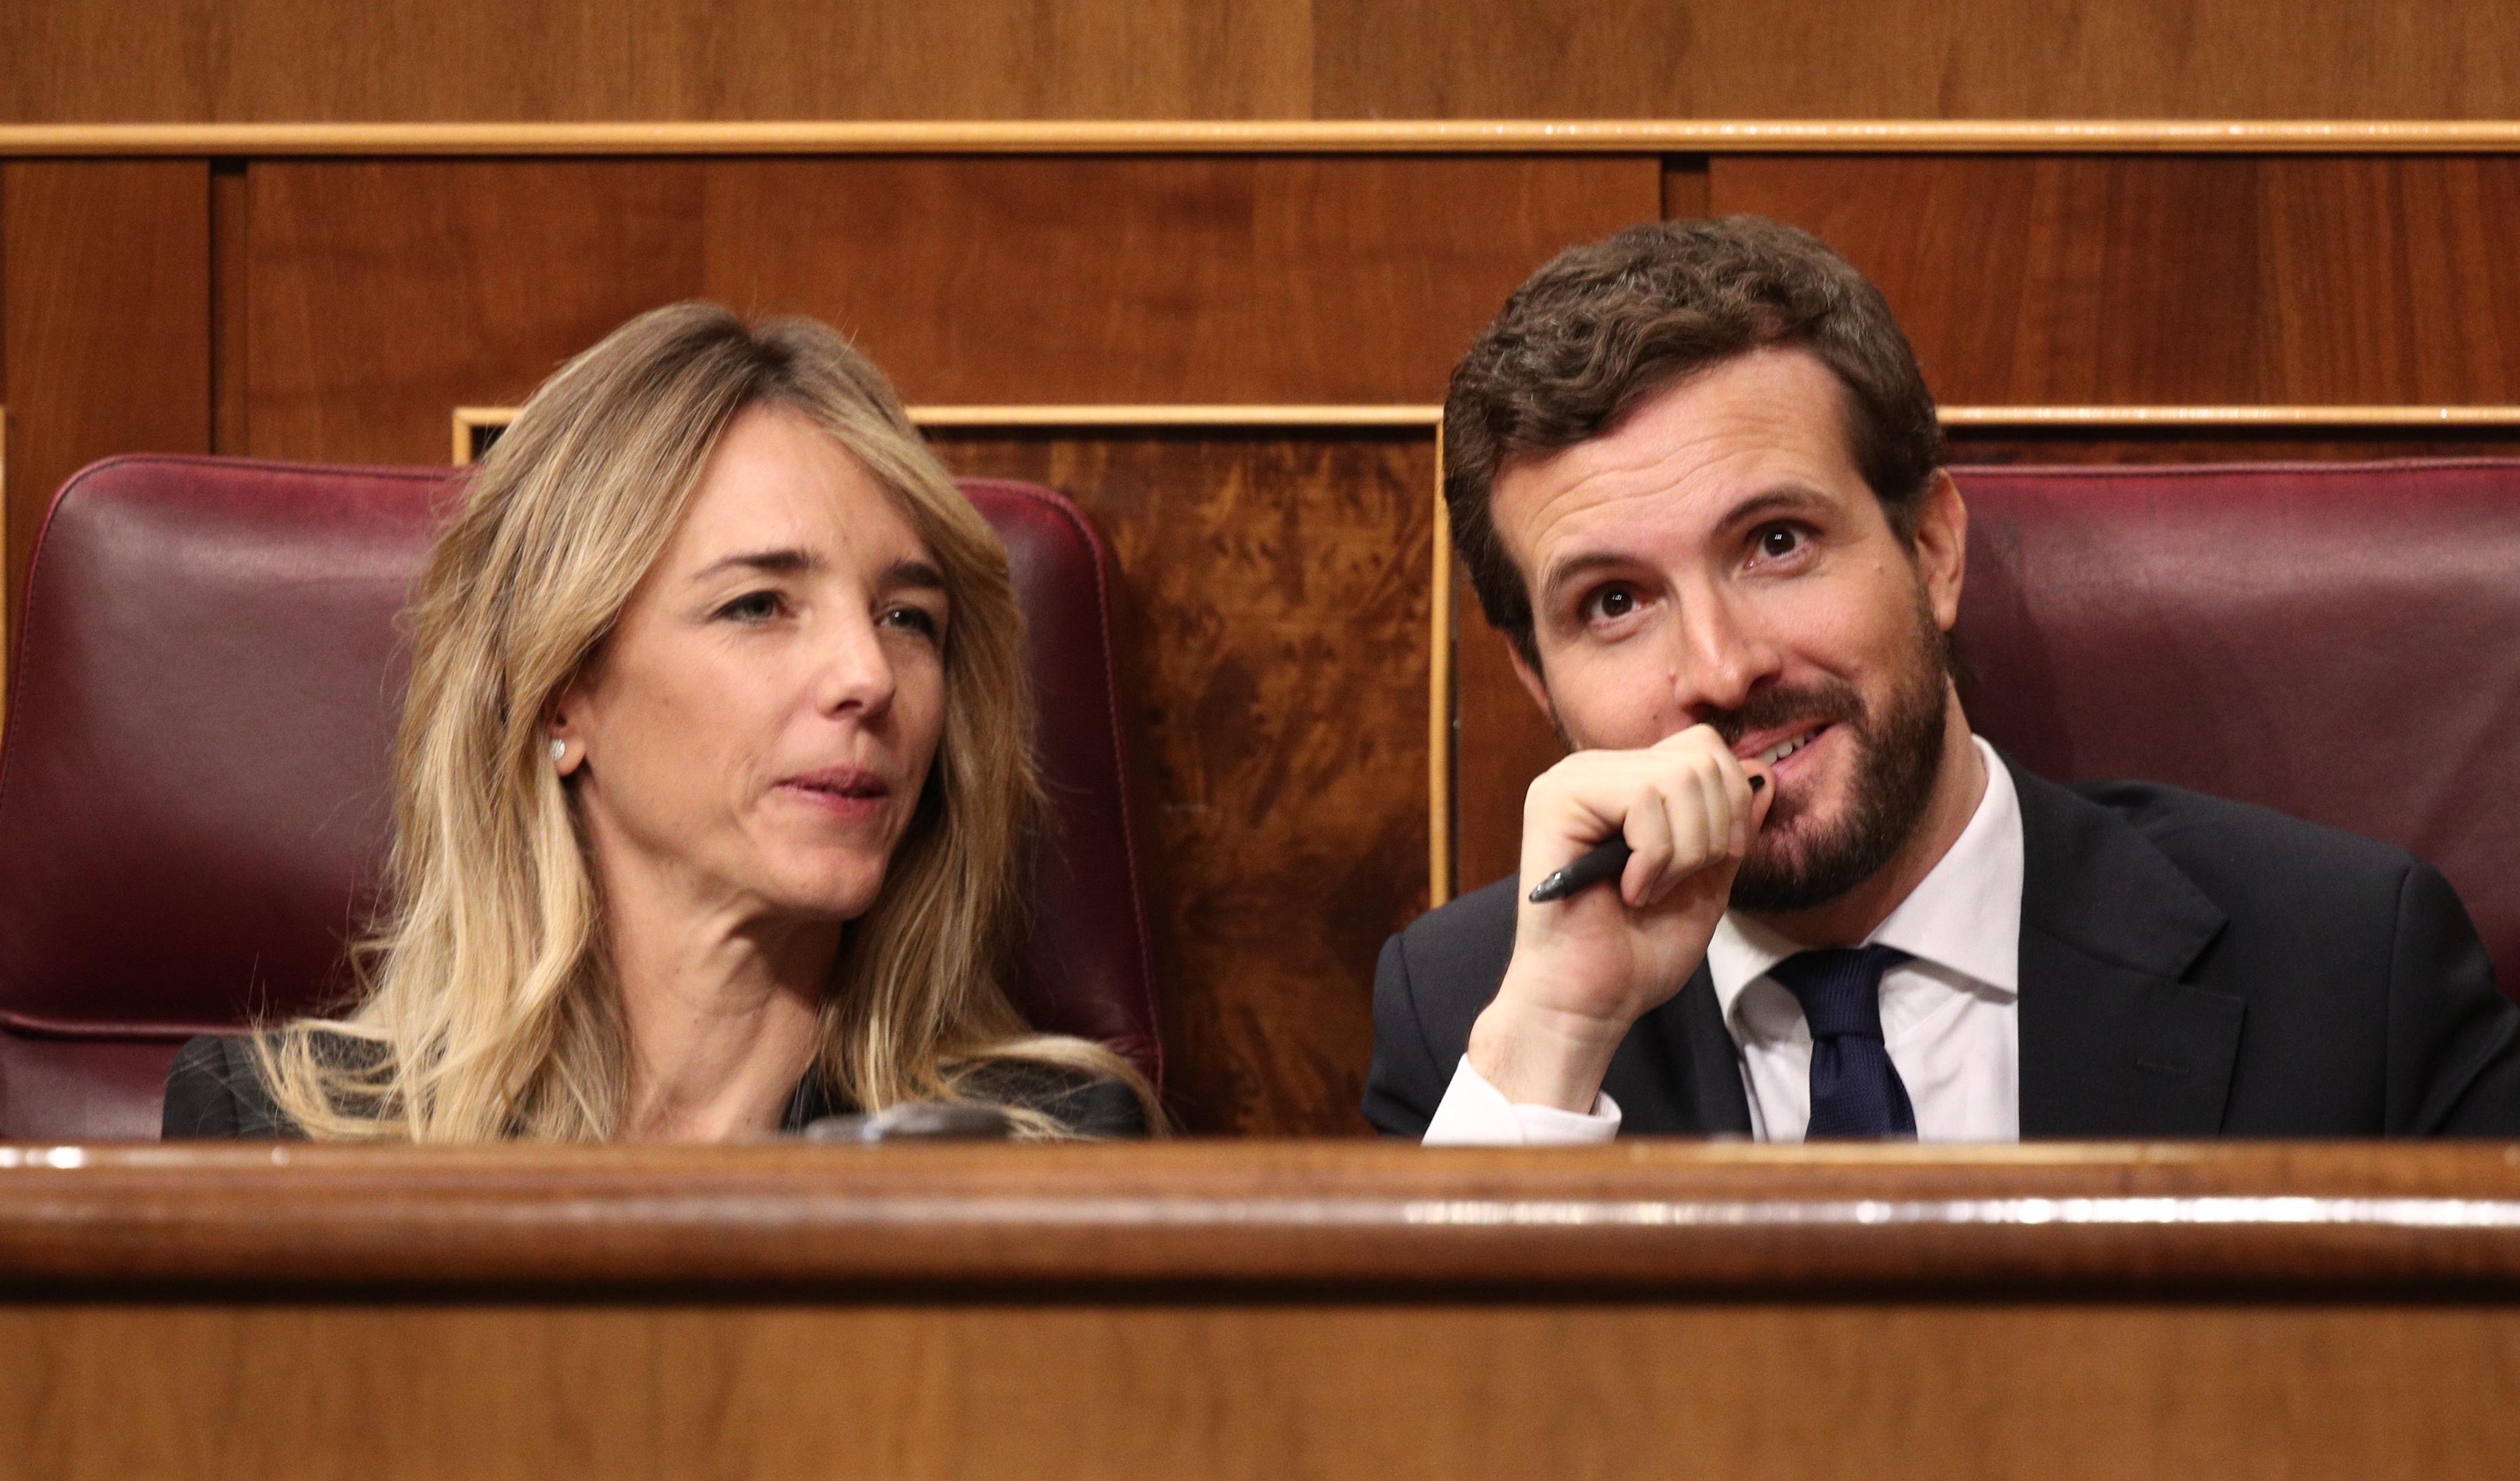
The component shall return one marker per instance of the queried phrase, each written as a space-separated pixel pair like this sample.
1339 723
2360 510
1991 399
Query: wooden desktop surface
1261 1309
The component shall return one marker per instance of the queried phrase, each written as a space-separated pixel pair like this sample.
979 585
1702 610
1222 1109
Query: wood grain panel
970 280
2128 279
654 59
765 59
105 311
1965 59
1168 280
385 293
1276 644
2084 280
284 60
2390 280
1685 187
1601 1390
231 315
131 61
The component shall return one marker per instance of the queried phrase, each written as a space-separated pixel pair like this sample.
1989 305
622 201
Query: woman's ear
567 746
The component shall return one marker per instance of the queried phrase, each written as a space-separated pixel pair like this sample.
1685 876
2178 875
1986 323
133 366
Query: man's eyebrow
1566 572
784 562
1782 499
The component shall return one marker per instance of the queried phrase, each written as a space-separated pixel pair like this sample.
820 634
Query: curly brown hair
1602 327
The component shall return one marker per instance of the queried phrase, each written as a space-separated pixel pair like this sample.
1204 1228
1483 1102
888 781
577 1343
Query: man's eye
1779 540
1611 603
751 607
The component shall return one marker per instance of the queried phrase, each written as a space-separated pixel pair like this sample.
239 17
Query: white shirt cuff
1475 1113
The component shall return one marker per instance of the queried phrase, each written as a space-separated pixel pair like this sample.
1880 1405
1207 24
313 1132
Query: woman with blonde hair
712 787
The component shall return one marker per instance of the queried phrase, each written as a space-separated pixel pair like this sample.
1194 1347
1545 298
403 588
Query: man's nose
1723 655
853 672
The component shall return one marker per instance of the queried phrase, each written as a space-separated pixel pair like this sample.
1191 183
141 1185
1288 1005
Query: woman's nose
853 672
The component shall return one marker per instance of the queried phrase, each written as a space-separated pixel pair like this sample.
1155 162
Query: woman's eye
1780 540
917 619
751 607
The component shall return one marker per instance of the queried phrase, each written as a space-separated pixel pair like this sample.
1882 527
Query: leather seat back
2340 642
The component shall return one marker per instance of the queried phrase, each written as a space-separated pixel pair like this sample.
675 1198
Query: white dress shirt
1949 1014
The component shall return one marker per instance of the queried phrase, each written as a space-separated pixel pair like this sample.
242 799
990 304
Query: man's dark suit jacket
2189 968
214 1091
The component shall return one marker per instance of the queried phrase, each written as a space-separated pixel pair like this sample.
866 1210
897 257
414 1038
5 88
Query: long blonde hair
487 1008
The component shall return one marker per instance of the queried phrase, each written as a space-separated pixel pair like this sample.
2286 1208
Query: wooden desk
1261 1310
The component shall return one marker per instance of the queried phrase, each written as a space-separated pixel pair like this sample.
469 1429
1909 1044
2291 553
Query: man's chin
1808 865
1778 888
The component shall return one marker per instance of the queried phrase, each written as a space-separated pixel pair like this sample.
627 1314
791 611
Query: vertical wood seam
230 309
1442 800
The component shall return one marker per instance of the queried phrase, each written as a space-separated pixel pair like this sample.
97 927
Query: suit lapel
2113 1043
1677 1072
1716 1092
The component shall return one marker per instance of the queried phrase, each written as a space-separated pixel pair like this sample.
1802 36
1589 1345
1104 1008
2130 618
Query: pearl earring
559 750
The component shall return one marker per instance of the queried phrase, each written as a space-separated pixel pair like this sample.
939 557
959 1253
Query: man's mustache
1834 703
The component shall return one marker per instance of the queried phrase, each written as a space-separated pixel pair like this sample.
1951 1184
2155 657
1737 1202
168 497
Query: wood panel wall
1277 581
2095 279
105 316
1277 644
515 59
2380 1390
386 292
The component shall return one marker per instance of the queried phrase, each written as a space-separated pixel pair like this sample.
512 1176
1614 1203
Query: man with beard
1696 478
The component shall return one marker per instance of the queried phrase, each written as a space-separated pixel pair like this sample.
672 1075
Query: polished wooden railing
1651 1216
1261 1310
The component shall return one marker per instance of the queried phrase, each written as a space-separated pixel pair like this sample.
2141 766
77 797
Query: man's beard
1898 760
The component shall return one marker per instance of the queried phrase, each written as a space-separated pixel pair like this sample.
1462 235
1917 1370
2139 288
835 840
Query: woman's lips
846 792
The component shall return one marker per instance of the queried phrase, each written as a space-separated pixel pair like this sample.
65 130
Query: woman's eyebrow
912 573
784 562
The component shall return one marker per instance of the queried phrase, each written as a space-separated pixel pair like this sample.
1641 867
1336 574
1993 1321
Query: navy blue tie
1855 1089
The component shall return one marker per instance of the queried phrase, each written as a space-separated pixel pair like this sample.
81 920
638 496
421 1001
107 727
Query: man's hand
1585 969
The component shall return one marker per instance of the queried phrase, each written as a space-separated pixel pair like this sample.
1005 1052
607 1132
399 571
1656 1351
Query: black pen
1603 861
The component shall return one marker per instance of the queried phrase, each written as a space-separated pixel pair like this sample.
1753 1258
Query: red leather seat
2337 640
192 794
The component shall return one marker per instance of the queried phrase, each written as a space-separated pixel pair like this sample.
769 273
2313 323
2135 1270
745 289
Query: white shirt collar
1963 916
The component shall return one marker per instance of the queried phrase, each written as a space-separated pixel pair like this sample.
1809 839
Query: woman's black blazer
214 1091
